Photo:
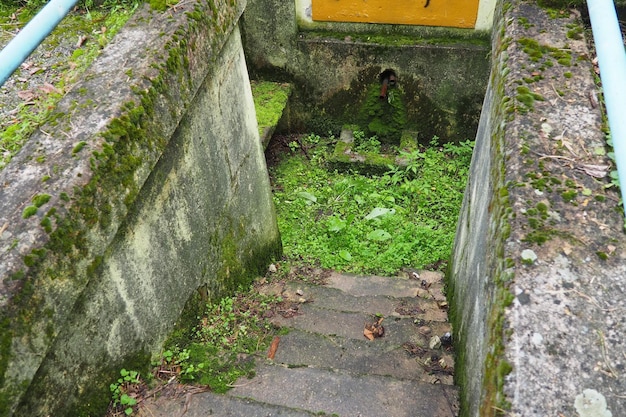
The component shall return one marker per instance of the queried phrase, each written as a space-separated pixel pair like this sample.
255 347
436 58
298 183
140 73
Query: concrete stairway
326 366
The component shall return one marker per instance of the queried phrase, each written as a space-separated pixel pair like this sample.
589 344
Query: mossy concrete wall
537 279
443 72
147 184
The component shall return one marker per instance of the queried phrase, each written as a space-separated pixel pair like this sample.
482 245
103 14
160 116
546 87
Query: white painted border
303 11
484 20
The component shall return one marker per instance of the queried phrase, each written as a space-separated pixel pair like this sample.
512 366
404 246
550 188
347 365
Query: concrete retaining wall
538 275
149 183
443 72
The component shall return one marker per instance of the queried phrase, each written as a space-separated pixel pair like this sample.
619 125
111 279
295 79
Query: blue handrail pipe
612 61
29 38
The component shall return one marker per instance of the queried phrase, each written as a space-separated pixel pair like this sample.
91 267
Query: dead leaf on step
81 40
49 88
374 330
26 95
596 171
273 348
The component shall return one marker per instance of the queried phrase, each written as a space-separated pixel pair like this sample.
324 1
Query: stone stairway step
350 324
300 348
428 285
398 330
210 404
321 391
325 365
385 305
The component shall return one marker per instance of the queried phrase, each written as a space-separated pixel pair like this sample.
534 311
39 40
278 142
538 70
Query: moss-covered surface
543 139
270 102
52 70
349 155
383 116
435 36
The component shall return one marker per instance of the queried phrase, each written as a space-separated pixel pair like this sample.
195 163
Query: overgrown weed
217 351
371 224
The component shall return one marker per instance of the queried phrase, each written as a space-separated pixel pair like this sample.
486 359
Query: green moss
29 211
270 100
438 36
602 255
46 224
542 207
384 118
6 337
40 199
79 146
162 5
569 195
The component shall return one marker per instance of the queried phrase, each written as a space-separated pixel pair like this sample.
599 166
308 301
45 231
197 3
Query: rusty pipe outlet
387 79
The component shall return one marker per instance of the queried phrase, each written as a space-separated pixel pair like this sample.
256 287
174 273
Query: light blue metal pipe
29 38
612 61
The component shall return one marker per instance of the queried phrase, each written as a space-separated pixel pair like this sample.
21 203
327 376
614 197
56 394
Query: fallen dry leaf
273 348
374 330
597 171
26 95
35 70
49 88
81 40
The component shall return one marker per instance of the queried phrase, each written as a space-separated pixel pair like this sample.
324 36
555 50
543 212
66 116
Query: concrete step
360 357
425 309
209 404
350 325
321 391
326 366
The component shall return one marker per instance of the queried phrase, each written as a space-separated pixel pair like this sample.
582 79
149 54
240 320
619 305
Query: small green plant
222 343
294 146
119 391
366 145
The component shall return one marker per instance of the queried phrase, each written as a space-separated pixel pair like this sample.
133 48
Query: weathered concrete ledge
148 183
538 278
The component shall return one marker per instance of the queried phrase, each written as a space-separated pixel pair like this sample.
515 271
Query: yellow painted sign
451 13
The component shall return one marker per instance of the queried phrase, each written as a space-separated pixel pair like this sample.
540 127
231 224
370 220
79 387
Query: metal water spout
387 79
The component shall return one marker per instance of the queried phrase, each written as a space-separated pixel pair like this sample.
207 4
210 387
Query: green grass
371 224
99 25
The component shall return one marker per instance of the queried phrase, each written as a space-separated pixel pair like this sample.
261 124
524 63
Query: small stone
272 268
422 293
446 339
299 292
529 256
302 300
425 330
435 342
